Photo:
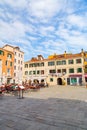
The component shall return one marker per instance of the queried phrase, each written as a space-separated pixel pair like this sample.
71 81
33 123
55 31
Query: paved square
52 108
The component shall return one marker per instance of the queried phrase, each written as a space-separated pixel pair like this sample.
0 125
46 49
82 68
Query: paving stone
53 108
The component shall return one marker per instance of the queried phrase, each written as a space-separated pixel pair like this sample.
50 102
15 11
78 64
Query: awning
85 75
75 75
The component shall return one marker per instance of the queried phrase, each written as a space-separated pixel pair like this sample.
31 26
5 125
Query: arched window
9 55
1 52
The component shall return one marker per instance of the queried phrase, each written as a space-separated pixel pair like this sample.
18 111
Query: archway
59 81
42 80
35 81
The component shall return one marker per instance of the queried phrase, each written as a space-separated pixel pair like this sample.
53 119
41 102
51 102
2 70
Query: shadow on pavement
42 114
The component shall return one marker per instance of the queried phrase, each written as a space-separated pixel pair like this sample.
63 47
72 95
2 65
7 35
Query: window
19 54
26 72
85 69
59 62
15 53
63 62
34 72
51 79
9 55
14 74
79 70
1 52
26 65
6 62
71 61
38 64
10 63
42 72
18 61
30 72
73 80
52 71
51 63
78 61
71 70
15 60
8 70
85 59
42 64
34 64
59 71
14 67
30 65
38 72
68 81
63 71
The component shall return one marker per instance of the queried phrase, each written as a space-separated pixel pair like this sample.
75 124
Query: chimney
65 54
82 49
82 52
40 57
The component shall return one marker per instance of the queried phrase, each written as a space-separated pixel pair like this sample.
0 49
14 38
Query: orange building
6 66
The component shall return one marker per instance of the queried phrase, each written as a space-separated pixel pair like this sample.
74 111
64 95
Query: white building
59 69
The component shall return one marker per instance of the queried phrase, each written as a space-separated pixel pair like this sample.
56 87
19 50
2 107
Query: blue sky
44 26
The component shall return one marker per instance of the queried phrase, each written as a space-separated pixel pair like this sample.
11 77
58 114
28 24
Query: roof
13 47
6 50
56 57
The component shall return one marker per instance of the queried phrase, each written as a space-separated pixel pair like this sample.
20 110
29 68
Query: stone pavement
53 108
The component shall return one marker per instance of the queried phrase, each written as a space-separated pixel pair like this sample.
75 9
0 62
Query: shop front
75 79
85 75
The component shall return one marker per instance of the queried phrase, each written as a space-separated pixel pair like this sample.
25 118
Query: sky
44 27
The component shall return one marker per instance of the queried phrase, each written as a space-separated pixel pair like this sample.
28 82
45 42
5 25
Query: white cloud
11 30
15 30
44 31
15 4
73 37
77 20
45 8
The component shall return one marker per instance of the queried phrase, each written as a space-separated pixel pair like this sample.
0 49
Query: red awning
75 75
85 75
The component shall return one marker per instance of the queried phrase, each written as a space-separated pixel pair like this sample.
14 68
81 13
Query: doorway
59 81
8 80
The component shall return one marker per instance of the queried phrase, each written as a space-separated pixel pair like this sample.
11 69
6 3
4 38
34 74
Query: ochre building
18 62
6 66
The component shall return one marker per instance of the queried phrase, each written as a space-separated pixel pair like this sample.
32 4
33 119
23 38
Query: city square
43 65
50 108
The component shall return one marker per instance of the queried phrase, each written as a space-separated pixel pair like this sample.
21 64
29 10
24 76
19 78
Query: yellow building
63 69
6 66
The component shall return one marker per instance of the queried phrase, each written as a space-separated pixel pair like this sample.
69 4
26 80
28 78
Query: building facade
63 69
18 62
6 66
35 69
